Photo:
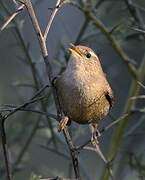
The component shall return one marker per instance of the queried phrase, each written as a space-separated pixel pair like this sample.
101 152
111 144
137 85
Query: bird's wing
110 98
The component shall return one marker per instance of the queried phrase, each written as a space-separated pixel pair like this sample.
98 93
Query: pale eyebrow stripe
93 54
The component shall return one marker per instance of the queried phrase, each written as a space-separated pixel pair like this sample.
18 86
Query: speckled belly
84 105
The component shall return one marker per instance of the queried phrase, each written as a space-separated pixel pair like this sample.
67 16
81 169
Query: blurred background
35 147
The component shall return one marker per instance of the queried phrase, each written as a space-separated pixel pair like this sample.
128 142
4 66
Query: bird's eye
88 55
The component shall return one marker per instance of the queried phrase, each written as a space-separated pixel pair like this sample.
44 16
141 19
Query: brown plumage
84 92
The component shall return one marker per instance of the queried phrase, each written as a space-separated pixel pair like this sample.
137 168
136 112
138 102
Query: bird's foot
63 123
94 139
95 134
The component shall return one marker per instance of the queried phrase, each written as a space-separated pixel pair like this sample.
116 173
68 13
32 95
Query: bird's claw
63 123
94 138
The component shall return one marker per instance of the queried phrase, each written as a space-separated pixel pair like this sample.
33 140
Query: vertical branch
73 152
42 42
5 148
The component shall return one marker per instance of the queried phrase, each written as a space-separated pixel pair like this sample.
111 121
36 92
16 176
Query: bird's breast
82 96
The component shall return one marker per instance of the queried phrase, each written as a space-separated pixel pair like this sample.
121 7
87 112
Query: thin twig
138 30
37 84
26 109
74 154
36 26
59 3
141 84
104 129
11 17
22 106
99 152
2 126
31 101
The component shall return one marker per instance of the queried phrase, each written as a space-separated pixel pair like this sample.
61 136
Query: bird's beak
75 50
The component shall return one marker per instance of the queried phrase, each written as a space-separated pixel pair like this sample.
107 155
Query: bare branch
137 97
104 129
59 4
36 26
11 108
11 17
141 84
44 50
138 30
31 101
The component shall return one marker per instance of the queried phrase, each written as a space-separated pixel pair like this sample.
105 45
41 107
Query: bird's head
83 53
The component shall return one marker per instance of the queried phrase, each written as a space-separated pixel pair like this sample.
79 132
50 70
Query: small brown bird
84 93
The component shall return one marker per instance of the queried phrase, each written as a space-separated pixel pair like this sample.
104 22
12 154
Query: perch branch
43 47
